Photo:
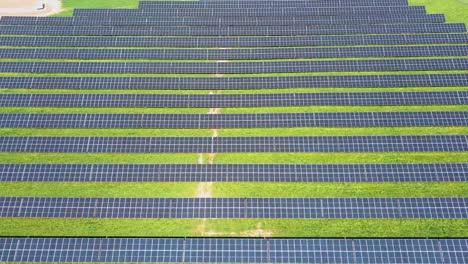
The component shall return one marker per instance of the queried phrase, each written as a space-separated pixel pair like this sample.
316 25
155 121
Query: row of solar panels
239 208
263 4
190 250
243 12
232 30
452 172
223 21
236 83
205 121
235 68
229 42
344 144
233 54
233 100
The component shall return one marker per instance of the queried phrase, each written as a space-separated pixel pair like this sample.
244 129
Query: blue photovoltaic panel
236 83
225 21
263 4
453 172
208 121
236 67
232 42
234 54
222 250
344 144
238 208
232 100
245 12
232 30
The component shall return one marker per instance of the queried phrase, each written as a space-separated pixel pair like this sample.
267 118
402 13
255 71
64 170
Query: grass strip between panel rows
233 190
235 227
267 132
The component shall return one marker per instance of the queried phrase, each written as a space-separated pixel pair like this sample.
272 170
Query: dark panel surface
453 172
233 100
178 250
236 83
232 42
206 121
349 144
233 54
241 208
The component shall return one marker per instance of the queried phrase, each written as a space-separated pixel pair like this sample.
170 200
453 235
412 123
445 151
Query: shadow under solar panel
349 173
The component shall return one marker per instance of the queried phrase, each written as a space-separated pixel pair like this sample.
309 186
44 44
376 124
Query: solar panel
237 67
230 42
222 250
233 54
345 173
233 100
208 121
225 21
239 208
243 12
236 83
319 144
231 30
262 4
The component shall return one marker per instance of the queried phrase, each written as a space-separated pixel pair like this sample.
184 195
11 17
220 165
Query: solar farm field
235 131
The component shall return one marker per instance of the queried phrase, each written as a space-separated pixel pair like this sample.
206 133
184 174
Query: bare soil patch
30 7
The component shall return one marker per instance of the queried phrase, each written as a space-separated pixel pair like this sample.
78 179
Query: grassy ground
277 190
234 227
69 5
454 10
366 131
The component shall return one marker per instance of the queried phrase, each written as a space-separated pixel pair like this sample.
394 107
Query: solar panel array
86 61
221 250
234 54
207 121
225 21
236 83
231 30
233 100
236 208
451 172
234 42
346 144
239 67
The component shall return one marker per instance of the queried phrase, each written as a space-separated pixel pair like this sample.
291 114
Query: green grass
374 131
221 189
235 227
69 5
455 11
86 189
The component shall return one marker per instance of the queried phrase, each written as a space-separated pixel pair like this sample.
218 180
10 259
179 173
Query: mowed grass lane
245 227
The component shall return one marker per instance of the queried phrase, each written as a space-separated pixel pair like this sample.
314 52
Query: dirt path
29 7
205 189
